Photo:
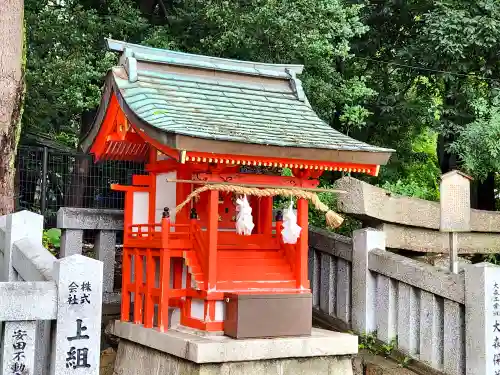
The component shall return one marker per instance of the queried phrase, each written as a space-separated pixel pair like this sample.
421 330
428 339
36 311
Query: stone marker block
482 319
455 202
78 330
18 348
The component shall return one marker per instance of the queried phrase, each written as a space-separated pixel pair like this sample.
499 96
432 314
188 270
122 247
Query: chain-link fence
47 180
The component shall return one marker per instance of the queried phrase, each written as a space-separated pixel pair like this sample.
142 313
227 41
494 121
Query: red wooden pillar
182 191
138 281
212 226
266 215
148 295
279 226
152 188
127 259
164 273
126 280
255 205
302 246
186 308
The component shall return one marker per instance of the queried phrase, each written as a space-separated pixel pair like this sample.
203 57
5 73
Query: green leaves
315 33
52 238
478 144
375 71
67 62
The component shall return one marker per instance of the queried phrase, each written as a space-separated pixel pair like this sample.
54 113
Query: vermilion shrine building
195 120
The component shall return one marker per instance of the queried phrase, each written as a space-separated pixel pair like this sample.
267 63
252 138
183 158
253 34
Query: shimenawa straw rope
333 219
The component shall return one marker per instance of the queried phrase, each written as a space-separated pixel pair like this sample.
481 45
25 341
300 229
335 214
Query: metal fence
47 180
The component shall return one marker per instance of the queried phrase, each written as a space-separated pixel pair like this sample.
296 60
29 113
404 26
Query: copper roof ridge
159 55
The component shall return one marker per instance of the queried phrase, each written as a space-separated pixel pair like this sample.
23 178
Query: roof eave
88 139
190 143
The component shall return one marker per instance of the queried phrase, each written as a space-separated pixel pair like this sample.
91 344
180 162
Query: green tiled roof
205 106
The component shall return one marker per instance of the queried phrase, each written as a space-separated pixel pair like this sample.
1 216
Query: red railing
199 244
150 235
147 251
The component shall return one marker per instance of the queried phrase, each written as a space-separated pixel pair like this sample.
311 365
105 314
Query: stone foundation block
177 352
134 359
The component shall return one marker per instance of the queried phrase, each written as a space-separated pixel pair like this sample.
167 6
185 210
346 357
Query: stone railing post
363 282
74 221
105 246
482 319
20 225
79 309
71 242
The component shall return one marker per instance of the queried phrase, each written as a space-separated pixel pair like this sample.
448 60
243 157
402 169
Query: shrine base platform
148 351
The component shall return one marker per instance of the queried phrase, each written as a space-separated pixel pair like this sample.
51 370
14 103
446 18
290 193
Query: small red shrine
194 121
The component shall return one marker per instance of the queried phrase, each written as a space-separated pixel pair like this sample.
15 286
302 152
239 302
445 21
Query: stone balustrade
107 223
429 314
50 309
442 320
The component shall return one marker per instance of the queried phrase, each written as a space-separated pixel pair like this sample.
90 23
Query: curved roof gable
223 100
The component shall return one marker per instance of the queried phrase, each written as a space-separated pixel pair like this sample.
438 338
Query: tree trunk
12 63
483 193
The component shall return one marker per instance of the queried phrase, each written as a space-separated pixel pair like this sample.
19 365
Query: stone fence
50 310
427 313
414 224
107 223
446 321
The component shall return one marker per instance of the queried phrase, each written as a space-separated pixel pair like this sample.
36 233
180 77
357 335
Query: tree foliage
67 59
419 76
